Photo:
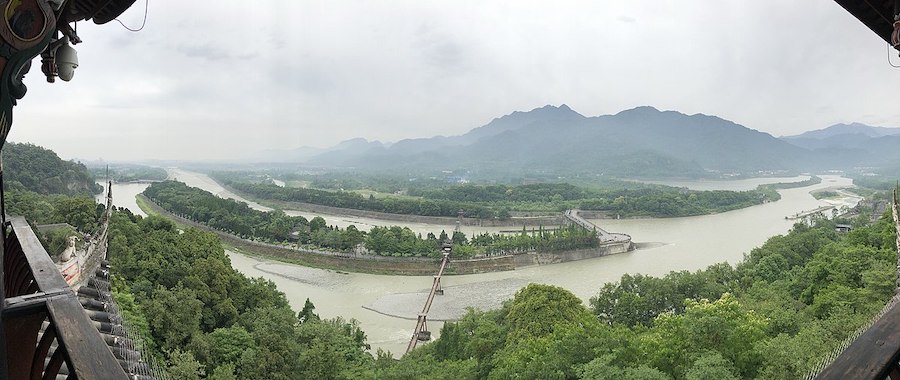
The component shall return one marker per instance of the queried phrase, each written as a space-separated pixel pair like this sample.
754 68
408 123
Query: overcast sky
214 80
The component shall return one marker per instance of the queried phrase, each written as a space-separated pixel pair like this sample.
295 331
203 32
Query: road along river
386 306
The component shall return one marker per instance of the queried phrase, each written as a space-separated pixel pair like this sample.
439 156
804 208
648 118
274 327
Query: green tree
223 372
308 313
227 344
723 326
711 366
174 315
182 365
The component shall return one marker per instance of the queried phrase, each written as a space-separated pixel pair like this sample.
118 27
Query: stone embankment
395 265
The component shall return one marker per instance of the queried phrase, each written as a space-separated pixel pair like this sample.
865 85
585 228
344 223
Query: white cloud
205 81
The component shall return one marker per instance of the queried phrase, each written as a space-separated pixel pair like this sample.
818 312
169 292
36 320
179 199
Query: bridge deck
605 236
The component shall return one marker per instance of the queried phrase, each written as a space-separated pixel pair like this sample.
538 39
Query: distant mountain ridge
853 144
639 142
845 129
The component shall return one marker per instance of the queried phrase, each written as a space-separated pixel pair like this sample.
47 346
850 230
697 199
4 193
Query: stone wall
535 258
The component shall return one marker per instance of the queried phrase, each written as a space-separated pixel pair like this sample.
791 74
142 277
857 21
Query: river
124 195
386 306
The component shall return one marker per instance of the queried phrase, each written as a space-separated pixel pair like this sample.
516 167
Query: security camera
66 62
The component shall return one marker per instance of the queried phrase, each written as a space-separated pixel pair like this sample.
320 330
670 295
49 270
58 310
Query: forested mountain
207 320
30 167
642 141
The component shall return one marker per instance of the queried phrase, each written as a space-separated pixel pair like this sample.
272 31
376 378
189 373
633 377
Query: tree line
351 200
498 201
130 173
239 219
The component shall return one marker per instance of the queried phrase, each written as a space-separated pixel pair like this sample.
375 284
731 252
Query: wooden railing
44 325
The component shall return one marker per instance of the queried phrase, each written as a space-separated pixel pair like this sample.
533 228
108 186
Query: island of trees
239 219
433 198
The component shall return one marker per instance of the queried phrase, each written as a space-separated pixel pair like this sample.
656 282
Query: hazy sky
221 79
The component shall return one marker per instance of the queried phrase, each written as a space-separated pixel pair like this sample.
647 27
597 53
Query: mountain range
639 142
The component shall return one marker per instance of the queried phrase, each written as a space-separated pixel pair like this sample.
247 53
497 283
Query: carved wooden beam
26 28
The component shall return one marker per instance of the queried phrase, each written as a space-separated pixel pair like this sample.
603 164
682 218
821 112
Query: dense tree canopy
496 201
209 321
129 172
238 218
33 168
773 316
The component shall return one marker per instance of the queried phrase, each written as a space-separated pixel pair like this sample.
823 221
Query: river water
124 195
386 306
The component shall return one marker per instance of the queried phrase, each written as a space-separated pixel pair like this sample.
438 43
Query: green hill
34 168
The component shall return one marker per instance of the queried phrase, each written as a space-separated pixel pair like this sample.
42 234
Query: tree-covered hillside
773 316
206 320
33 168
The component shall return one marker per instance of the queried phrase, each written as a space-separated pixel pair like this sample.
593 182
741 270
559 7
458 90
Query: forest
498 201
238 218
46 189
197 316
772 316
33 168
204 319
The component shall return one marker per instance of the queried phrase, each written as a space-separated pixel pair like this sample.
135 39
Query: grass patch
144 205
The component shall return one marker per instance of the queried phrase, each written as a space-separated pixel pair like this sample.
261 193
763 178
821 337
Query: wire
889 58
146 6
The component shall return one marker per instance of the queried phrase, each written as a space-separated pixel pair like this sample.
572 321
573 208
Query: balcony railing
46 333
